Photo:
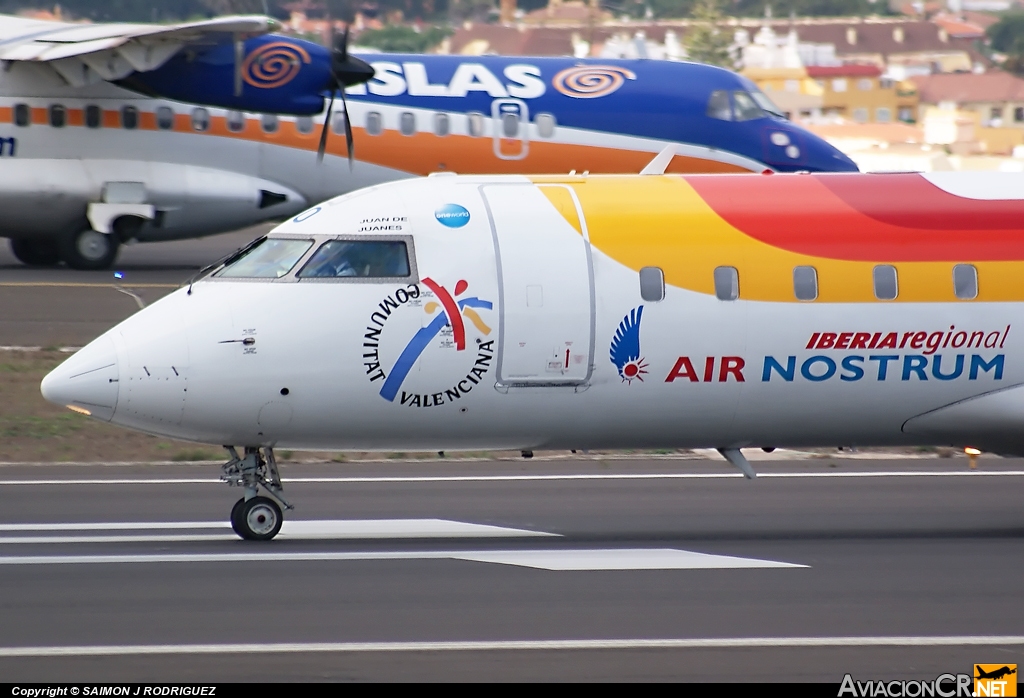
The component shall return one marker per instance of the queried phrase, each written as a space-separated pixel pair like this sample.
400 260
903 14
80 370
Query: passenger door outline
580 379
514 147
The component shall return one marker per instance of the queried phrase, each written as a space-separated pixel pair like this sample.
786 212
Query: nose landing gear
255 517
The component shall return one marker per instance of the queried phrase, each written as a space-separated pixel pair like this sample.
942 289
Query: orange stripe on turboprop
884 217
420 153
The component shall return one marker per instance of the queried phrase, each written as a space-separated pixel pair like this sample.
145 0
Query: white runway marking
115 526
558 560
622 559
398 528
290 530
527 478
170 538
511 645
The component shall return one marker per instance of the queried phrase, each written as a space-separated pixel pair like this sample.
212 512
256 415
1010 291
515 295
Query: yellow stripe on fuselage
661 221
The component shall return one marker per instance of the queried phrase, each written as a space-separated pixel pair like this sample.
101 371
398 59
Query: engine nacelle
270 74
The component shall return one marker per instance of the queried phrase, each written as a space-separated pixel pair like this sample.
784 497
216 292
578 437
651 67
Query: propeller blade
349 143
348 70
341 44
326 128
239 56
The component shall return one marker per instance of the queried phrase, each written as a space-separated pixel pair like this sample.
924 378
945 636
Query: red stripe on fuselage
884 217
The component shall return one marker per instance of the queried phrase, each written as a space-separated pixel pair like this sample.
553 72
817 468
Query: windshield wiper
224 261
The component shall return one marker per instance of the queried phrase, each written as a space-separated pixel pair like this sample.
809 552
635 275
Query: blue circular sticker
452 215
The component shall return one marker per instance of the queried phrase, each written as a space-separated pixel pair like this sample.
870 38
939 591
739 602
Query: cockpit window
718 106
746 107
367 259
271 259
768 105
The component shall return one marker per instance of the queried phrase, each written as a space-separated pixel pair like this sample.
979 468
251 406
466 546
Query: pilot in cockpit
365 259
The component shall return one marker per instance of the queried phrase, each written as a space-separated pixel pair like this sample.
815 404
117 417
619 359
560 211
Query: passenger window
652 284
304 124
805 283
365 259
269 123
200 119
93 116
271 259
510 125
374 123
407 123
22 115
545 125
884 277
339 123
129 117
58 115
746 107
164 118
718 106
235 121
727 283
965 281
442 124
475 124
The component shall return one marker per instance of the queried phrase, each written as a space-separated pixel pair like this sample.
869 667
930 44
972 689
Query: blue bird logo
625 348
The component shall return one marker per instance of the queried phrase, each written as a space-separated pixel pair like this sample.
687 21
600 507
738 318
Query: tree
398 38
237 7
706 42
1007 35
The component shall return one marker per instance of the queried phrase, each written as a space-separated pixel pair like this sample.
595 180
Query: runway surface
53 307
543 570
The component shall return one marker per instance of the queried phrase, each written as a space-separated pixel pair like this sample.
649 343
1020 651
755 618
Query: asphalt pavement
57 306
564 569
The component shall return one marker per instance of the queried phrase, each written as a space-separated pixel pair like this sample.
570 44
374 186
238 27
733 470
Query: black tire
260 519
88 250
36 252
236 517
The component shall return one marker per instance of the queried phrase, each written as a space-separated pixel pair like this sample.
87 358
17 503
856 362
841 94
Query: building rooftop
876 133
993 86
852 37
845 70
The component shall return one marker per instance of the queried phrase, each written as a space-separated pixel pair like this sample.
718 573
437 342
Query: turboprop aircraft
646 311
114 133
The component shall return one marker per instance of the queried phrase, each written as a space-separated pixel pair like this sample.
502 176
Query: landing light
972 455
79 410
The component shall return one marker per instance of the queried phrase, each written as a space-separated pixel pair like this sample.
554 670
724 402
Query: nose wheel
255 517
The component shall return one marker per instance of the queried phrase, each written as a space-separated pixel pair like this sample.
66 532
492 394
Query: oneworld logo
452 215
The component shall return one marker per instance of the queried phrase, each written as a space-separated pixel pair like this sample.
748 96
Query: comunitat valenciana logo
452 215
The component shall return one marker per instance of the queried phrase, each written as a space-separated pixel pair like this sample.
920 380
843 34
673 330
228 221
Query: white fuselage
306 363
198 185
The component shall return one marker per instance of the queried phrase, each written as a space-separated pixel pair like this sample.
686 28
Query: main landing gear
34 252
255 517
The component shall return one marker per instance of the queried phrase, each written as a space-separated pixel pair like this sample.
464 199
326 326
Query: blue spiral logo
274 64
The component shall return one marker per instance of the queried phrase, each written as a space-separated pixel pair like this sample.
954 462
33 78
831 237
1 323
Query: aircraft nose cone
88 381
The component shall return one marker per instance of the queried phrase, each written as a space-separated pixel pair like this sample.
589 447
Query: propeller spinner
346 71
